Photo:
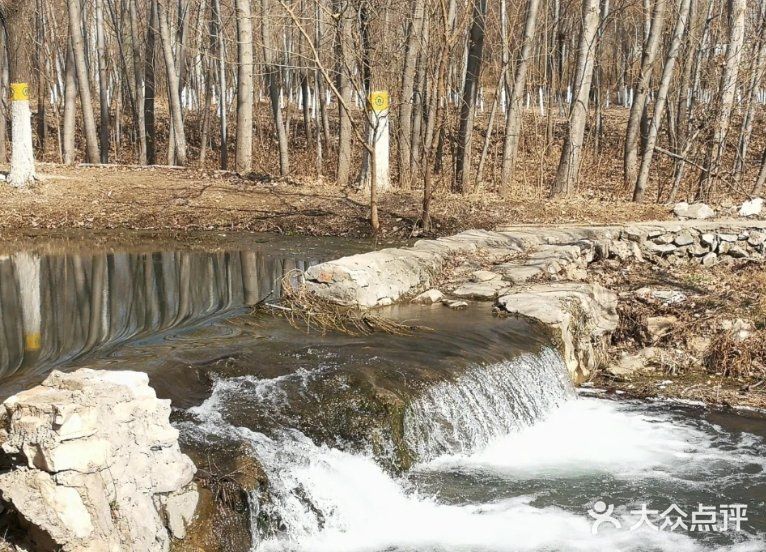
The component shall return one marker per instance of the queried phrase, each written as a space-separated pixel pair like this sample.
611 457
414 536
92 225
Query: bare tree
513 120
244 159
179 136
78 47
568 171
662 96
726 92
470 89
637 110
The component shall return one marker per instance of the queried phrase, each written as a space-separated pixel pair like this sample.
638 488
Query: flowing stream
466 437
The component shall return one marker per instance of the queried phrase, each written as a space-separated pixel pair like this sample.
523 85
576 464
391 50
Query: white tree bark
22 154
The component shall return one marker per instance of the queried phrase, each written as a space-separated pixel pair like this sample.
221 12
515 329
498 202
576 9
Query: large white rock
694 211
751 207
581 314
96 463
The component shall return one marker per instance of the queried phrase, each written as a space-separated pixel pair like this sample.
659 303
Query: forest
653 100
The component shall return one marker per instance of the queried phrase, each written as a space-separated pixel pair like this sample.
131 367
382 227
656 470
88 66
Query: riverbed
463 435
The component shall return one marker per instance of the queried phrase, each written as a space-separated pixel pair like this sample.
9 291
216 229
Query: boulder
684 238
454 304
632 363
480 290
581 314
429 297
697 211
484 276
751 207
95 464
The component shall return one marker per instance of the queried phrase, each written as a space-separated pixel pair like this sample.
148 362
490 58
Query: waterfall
485 403
512 420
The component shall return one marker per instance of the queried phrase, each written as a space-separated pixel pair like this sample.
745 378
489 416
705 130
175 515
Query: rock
667 296
660 326
739 328
661 249
751 207
731 238
484 276
455 305
582 315
631 363
695 211
684 238
708 239
664 239
96 463
737 252
382 277
756 238
519 273
480 290
429 297
698 250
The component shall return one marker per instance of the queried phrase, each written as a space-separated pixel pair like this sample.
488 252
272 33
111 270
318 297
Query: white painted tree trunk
22 153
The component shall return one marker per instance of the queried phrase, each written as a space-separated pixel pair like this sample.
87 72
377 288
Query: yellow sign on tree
378 101
19 91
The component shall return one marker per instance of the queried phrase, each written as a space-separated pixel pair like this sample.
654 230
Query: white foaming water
594 435
485 403
325 499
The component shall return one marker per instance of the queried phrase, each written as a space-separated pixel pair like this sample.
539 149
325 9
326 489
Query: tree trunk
662 95
345 20
415 30
179 135
103 83
17 16
151 39
83 81
633 134
470 89
216 30
244 156
70 106
568 171
41 78
271 71
727 92
138 73
756 77
513 121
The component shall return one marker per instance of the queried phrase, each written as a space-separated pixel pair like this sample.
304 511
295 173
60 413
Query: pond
463 435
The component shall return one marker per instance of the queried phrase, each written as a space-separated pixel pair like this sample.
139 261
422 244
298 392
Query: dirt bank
150 199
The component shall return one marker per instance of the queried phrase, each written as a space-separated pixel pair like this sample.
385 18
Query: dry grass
305 310
735 358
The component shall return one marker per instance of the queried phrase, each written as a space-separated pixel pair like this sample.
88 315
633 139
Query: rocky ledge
91 462
536 272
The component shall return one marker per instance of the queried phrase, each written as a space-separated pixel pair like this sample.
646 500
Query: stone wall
92 463
536 272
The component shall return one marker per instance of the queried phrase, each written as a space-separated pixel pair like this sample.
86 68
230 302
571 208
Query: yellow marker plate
19 91
378 101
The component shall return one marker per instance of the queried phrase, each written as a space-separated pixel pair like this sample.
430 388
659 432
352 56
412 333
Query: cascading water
486 403
510 459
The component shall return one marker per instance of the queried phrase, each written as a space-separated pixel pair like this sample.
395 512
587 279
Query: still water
466 436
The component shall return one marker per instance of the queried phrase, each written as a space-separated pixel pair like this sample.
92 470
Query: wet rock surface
94 464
